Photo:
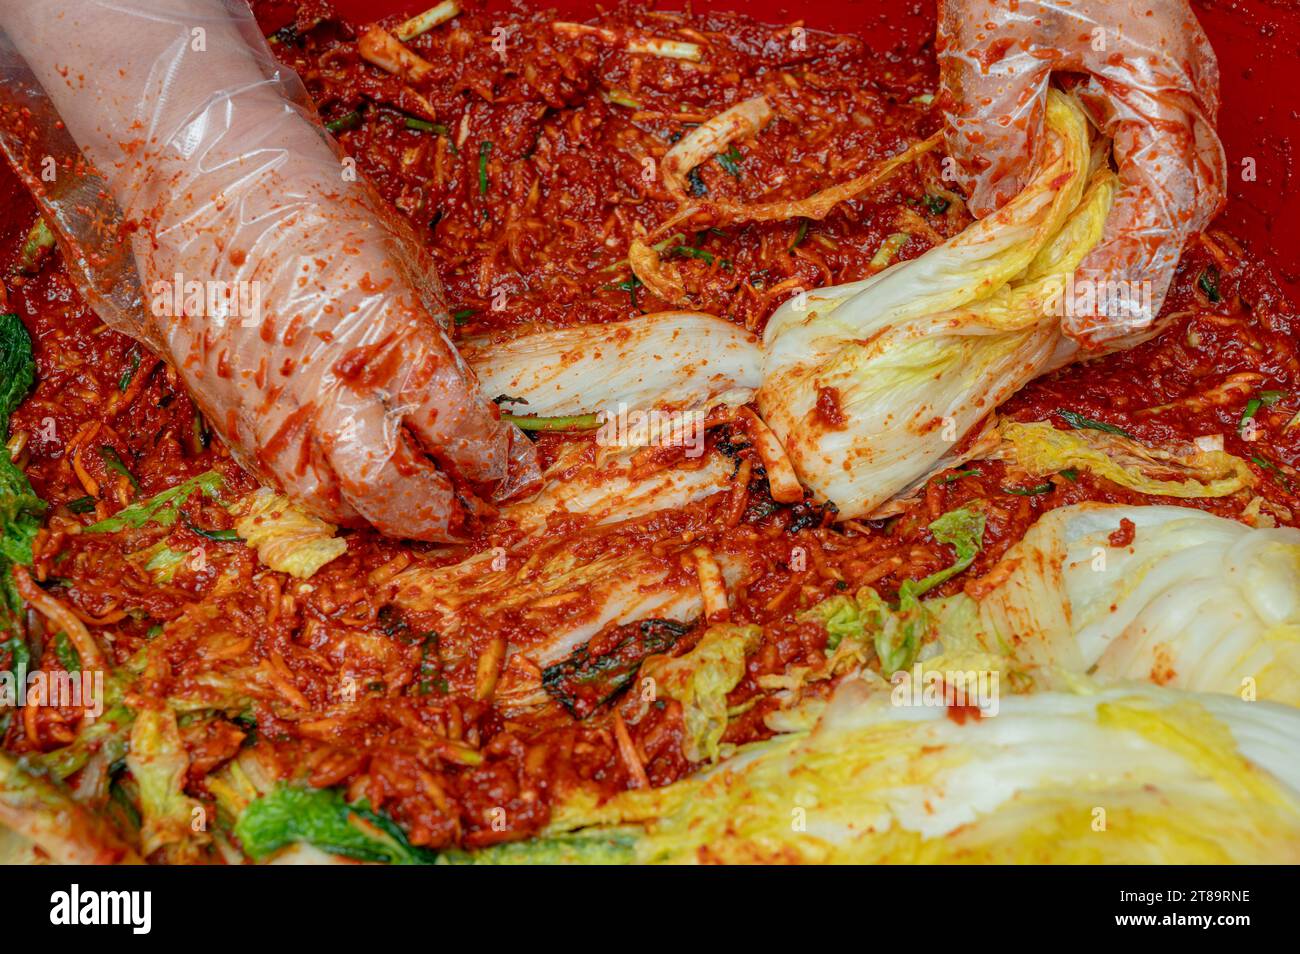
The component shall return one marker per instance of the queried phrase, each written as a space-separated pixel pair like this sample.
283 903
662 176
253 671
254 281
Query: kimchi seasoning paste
523 174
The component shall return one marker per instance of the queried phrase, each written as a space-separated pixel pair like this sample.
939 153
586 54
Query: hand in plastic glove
1148 77
343 387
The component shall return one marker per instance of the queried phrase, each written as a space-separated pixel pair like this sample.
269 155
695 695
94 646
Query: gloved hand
1147 75
325 365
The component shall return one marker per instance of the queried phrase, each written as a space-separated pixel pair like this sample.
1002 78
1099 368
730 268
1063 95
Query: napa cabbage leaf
898 631
285 536
289 814
162 509
700 680
1039 448
1179 778
916 355
1192 600
159 763
20 508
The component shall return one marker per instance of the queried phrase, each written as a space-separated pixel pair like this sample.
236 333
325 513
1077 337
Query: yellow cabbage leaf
1040 448
286 538
700 680
1130 775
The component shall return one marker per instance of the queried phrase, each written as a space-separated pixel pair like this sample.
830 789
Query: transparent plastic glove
323 359
1149 79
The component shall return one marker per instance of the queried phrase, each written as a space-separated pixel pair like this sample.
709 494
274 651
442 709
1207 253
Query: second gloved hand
1146 73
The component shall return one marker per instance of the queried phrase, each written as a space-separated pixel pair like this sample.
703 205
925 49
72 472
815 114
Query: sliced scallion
484 151
730 161
114 463
1035 490
426 21
574 422
1209 284
1081 423
133 365
349 120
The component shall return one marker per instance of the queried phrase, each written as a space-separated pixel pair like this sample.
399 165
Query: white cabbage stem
381 48
671 359
426 21
709 138
605 487
614 589
868 385
675 365
1191 600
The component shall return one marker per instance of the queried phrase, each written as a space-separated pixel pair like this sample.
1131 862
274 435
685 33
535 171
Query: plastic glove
326 367
1148 77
